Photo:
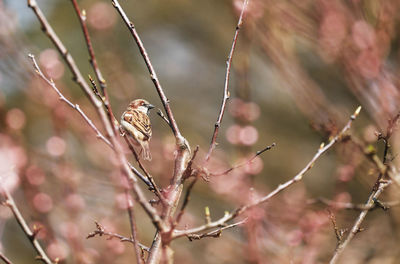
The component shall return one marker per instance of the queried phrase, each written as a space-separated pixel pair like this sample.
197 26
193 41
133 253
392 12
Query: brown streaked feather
140 121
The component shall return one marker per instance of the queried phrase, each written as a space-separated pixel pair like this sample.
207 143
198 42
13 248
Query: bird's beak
150 106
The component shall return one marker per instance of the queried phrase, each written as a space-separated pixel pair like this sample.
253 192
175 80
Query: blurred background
300 70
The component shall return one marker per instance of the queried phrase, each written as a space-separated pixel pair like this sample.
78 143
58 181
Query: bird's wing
140 121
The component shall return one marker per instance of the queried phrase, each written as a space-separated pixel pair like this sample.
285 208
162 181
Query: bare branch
185 202
101 231
338 232
77 76
150 179
189 170
104 97
105 118
161 114
132 223
123 162
357 224
215 233
352 206
5 259
79 110
226 85
258 153
298 177
92 60
150 68
183 148
377 190
22 223
69 103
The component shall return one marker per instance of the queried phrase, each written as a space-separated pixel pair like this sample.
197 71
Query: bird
136 122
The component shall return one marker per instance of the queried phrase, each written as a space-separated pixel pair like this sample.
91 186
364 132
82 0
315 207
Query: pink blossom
57 250
43 202
232 134
69 230
56 146
363 35
123 201
332 32
51 64
248 135
345 173
15 119
35 175
251 111
295 237
343 197
116 246
12 159
75 202
254 167
101 16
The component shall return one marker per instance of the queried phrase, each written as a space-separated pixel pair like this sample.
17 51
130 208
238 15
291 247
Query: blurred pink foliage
68 177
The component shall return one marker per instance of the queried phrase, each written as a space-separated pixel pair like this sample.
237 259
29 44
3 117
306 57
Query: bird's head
141 105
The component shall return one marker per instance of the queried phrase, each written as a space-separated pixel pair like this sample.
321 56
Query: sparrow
136 122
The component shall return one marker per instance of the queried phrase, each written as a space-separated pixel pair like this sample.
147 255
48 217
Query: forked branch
226 85
298 177
42 256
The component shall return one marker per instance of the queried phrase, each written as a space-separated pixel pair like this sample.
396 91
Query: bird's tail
146 155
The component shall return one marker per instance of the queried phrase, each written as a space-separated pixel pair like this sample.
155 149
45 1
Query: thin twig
77 76
226 85
150 67
188 172
69 103
161 114
99 76
125 166
357 224
132 223
22 223
185 201
258 153
377 190
215 233
338 232
150 179
103 85
5 259
105 117
183 148
298 177
79 110
352 206
92 60
101 231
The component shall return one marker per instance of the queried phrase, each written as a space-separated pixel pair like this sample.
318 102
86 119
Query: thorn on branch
380 204
161 114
